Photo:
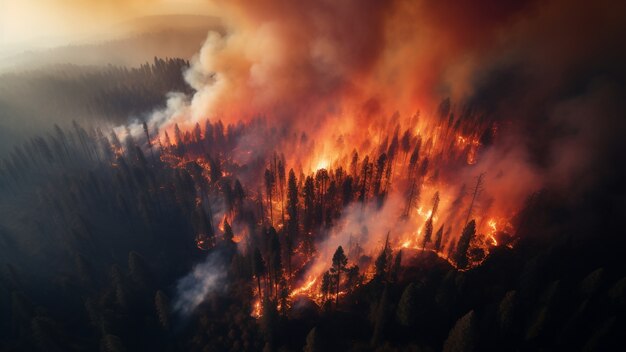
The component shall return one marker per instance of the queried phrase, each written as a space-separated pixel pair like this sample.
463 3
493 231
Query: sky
60 22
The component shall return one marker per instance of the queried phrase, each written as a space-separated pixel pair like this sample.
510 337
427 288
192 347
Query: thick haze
344 66
60 22
550 74
49 48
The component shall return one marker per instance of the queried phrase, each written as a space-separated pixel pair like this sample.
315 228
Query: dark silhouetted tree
428 232
313 342
395 269
275 262
269 321
326 285
438 238
292 212
507 311
463 245
462 336
339 264
382 261
228 232
406 313
382 317
162 306
258 268
352 277
269 186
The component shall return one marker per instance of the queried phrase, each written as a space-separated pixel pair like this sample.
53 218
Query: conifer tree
228 232
269 186
428 232
438 239
293 226
463 245
407 309
382 261
381 319
462 336
162 306
339 264
258 268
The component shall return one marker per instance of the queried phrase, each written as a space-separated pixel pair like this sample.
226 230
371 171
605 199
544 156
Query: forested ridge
29 100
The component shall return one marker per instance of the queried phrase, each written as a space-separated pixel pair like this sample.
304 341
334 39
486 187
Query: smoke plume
345 67
206 278
345 73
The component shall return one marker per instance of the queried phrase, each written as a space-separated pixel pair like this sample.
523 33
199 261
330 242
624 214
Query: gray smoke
206 278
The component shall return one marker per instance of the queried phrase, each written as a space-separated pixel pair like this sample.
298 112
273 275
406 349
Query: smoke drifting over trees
354 175
32 102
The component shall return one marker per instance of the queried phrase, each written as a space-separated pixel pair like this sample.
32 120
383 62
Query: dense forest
89 94
278 176
170 243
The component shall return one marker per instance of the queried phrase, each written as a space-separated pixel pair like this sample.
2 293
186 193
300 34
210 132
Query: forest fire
296 199
354 175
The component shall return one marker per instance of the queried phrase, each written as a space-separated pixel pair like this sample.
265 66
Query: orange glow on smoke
440 146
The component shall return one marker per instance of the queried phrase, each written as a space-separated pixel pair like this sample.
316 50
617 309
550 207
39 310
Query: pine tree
462 336
366 170
428 232
162 306
276 265
339 264
507 312
407 309
215 169
280 168
228 232
269 321
258 268
397 263
380 168
383 313
238 193
292 212
438 239
436 200
352 275
463 245
382 261
269 186
309 206
283 295
148 140
325 286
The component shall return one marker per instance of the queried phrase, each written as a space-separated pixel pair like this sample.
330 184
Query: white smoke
206 278
365 225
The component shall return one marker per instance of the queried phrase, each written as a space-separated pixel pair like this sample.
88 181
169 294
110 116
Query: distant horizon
58 24
149 30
